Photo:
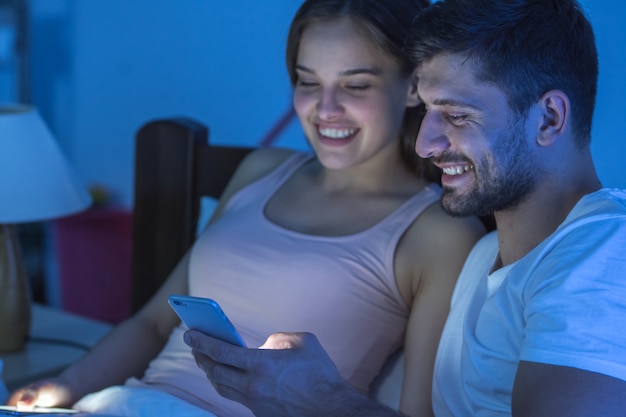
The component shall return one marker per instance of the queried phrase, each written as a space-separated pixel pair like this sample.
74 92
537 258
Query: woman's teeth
337 133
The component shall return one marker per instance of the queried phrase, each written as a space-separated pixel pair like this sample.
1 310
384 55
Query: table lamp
36 183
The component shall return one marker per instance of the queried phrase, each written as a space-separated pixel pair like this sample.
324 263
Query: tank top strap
402 217
260 191
276 178
387 234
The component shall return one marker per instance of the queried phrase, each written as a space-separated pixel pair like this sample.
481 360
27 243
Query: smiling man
537 319
509 88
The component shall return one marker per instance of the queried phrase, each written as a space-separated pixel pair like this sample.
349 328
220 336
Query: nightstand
57 339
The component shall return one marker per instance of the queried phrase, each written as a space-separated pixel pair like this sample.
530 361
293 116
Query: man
537 321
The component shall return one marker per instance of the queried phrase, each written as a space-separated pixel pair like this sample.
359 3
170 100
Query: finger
28 399
217 350
26 396
224 364
217 372
284 341
228 381
16 396
45 393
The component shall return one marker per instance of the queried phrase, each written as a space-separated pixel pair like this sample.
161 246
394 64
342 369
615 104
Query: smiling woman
350 98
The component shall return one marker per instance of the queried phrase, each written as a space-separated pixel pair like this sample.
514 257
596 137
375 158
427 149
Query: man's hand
289 375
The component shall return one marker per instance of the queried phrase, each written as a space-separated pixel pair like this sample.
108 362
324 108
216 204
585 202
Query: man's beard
507 177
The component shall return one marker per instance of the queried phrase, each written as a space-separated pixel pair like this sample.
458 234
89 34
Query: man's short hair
524 47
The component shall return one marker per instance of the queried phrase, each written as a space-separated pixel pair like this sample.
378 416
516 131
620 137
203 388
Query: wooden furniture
174 167
57 339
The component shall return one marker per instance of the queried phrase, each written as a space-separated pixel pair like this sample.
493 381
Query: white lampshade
36 181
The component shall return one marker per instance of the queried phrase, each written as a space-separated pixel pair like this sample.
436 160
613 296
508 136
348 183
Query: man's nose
431 137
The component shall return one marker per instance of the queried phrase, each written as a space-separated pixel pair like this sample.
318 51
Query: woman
348 243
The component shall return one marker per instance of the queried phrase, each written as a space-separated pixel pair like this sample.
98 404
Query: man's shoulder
487 244
595 230
483 255
604 203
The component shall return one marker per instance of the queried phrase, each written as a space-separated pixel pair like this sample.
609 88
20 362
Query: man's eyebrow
455 103
371 71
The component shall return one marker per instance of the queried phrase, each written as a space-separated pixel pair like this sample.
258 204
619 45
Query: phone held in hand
205 315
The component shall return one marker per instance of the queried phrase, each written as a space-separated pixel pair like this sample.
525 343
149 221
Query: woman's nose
328 106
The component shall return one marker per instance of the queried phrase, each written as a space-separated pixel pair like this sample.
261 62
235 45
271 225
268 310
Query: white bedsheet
123 401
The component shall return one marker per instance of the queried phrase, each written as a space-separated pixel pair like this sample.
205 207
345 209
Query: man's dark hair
524 47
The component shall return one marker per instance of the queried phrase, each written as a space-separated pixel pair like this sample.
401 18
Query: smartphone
205 315
11 410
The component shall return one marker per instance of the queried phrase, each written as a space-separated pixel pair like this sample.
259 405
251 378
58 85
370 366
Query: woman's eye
357 87
306 83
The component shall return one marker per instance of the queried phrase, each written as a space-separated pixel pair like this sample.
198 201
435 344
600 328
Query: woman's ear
412 99
554 112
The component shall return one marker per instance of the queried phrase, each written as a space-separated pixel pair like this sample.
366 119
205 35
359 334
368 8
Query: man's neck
525 226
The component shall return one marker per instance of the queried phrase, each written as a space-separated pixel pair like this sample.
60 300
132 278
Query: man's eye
456 118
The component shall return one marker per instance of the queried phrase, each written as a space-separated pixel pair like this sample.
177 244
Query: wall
609 126
8 60
102 68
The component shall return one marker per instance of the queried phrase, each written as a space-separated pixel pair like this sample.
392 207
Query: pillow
387 386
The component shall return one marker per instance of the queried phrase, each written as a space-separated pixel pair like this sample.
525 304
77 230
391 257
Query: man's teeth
458 170
337 133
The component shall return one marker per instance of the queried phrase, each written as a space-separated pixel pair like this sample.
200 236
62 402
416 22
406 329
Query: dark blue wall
102 68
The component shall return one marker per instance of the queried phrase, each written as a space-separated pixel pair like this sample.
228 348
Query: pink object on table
94 255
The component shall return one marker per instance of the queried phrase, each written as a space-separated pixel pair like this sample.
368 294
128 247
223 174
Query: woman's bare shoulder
436 230
254 166
435 244
262 161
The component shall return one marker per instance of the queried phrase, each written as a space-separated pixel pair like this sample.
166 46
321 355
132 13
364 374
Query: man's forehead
444 74
444 64
452 79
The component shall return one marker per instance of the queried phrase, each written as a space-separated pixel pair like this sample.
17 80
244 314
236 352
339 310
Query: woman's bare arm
436 247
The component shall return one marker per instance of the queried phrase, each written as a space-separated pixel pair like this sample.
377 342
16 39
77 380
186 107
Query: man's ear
554 112
412 98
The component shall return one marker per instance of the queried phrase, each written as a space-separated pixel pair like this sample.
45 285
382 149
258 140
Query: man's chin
460 205
453 208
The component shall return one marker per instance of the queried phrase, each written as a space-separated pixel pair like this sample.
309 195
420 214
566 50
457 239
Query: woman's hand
53 392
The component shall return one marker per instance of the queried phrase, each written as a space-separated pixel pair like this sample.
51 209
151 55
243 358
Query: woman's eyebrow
371 71
304 69
354 71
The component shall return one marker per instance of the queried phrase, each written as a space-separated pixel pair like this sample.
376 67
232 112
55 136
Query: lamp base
14 293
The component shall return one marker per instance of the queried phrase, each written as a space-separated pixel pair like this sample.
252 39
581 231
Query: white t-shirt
564 303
